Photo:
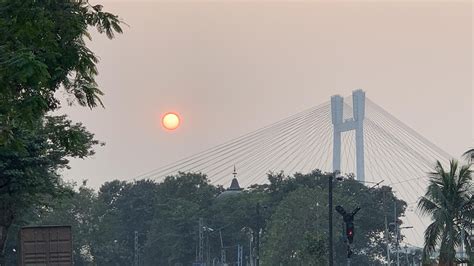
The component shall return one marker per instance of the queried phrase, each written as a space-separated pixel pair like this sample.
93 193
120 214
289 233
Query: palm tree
469 154
450 203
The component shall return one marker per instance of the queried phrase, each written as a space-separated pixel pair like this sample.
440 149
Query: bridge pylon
355 123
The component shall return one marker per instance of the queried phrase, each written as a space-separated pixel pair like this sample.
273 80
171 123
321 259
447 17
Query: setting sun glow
170 121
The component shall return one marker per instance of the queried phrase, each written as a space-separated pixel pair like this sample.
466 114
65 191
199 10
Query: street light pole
223 258
330 253
257 260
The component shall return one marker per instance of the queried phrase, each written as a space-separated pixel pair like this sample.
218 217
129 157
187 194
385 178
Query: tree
122 208
450 203
298 224
42 50
173 234
29 176
292 227
77 211
181 200
235 217
297 229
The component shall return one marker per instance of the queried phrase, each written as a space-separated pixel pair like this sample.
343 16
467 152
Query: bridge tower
355 123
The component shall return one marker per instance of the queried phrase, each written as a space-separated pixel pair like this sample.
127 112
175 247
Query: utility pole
397 233
406 255
208 255
330 253
201 241
399 230
239 255
135 257
250 251
348 256
387 241
257 237
387 235
223 259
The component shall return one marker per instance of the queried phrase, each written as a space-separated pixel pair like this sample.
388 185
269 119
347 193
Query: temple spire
235 183
234 188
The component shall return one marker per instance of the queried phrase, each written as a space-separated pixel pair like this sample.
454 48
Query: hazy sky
229 68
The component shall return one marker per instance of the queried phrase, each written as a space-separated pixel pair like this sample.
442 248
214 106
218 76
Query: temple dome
234 189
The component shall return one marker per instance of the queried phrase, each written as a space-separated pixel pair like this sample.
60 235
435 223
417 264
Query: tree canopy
43 50
449 202
293 220
29 175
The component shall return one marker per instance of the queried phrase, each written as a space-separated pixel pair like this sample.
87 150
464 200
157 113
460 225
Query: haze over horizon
230 68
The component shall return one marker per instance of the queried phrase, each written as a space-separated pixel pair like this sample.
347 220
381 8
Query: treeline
292 220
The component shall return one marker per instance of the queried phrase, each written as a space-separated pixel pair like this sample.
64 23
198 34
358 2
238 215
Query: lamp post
331 177
260 222
398 228
257 259
330 253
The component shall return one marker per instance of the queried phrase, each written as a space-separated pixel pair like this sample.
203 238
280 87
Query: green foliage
293 220
193 187
294 227
122 208
29 174
182 200
43 49
76 210
173 234
300 210
449 202
235 217
164 214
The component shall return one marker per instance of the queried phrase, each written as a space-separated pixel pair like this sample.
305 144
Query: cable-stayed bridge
351 134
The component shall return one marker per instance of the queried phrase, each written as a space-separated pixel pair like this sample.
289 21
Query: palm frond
432 237
453 165
469 155
464 177
427 207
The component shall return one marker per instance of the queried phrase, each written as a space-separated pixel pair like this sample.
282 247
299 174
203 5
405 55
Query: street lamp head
208 229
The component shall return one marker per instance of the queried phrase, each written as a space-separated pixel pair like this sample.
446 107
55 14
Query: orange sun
170 121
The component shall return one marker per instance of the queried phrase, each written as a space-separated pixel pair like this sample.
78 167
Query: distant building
234 188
